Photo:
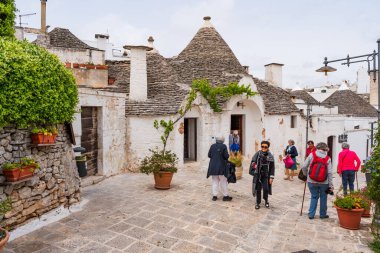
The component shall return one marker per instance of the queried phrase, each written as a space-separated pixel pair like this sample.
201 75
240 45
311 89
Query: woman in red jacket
348 164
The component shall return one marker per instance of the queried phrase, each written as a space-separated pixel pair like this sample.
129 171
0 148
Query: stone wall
55 183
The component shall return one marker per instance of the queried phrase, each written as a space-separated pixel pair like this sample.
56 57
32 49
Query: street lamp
369 58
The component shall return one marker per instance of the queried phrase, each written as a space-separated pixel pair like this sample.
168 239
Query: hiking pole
303 198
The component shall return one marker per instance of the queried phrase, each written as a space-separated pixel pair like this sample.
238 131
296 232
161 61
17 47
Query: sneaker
227 198
257 206
311 217
286 178
214 198
324 217
266 204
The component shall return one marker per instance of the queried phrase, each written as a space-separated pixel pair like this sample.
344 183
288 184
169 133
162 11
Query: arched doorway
246 118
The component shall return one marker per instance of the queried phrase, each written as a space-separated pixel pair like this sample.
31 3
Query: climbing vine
210 93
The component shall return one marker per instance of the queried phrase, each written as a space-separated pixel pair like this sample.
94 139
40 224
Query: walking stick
303 198
357 182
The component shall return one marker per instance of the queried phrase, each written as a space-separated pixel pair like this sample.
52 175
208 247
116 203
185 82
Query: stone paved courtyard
126 214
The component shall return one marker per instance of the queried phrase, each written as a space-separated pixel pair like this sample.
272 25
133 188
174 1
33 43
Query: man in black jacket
262 169
218 155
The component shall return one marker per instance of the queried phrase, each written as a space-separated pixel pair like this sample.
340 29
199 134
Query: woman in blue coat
291 151
218 155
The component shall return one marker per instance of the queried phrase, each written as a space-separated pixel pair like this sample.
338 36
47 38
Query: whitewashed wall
78 55
111 128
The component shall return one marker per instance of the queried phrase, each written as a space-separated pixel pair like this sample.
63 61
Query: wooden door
89 138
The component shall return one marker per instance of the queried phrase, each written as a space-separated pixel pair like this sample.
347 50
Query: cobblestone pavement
126 214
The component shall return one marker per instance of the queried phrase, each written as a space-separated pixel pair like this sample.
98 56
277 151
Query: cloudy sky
297 33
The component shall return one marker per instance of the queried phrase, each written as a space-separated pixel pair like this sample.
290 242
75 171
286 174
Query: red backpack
318 168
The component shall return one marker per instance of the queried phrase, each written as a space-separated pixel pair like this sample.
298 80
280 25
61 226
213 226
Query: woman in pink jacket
348 164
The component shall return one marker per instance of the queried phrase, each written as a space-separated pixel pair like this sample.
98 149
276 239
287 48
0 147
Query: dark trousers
265 187
348 178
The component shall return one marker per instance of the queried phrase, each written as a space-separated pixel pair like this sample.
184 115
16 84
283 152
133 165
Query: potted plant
350 209
363 193
162 164
68 65
44 135
90 65
75 65
100 66
17 171
237 159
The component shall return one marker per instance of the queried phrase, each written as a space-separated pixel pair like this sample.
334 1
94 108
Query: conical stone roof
208 56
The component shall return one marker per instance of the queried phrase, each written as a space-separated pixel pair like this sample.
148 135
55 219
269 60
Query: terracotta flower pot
162 180
111 80
38 138
239 172
75 65
26 172
68 65
12 175
104 67
367 211
4 240
349 219
82 65
90 66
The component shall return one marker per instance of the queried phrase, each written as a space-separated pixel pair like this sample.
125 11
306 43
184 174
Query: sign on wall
342 138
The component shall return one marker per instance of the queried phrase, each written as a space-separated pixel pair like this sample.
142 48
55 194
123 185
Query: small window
293 121
323 91
357 127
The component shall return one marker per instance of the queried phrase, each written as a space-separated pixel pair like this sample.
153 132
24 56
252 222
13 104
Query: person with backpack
291 151
218 155
348 165
262 170
319 171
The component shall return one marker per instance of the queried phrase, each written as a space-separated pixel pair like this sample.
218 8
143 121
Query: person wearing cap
218 155
263 165
348 164
319 190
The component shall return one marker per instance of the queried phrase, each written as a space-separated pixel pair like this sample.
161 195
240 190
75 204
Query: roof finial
150 43
207 22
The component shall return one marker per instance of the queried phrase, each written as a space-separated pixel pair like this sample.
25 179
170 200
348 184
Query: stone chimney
43 16
101 41
207 22
138 87
246 68
150 44
273 74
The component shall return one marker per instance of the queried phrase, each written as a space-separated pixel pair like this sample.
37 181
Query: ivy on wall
210 93
35 87
7 18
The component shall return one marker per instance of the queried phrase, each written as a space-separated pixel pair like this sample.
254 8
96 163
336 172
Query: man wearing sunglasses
262 169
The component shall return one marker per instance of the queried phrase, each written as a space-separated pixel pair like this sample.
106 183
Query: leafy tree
7 18
35 87
373 189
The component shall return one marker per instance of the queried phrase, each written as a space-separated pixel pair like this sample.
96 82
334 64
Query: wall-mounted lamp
240 104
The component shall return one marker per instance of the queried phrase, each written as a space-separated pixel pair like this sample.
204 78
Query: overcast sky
297 33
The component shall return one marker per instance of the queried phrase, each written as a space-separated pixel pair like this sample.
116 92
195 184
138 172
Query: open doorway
330 144
89 138
190 139
237 123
